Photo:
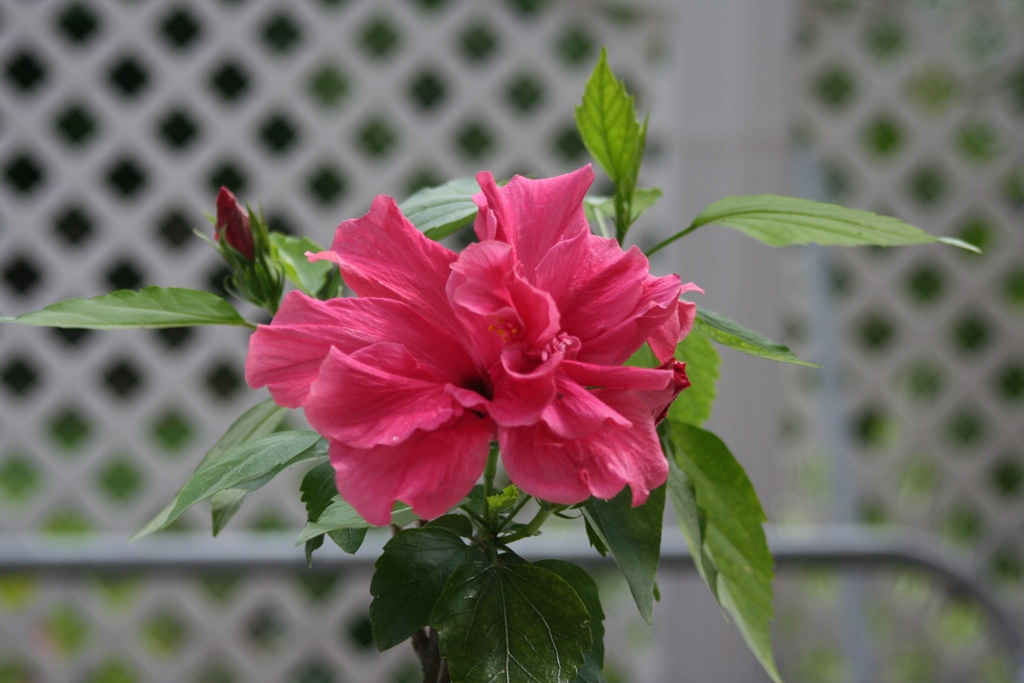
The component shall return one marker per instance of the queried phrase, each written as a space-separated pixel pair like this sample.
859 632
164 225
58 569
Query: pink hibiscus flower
519 339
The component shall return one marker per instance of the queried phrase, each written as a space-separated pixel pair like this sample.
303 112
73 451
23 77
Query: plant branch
664 243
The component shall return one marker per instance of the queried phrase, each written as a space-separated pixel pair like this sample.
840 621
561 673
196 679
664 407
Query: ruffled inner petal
431 470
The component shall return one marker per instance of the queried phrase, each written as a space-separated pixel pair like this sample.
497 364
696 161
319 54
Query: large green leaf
782 221
732 534
248 460
318 491
341 515
633 535
728 332
440 211
318 279
260 420
408 579
511 622
586 588
694 404
151 307
692 521
611 132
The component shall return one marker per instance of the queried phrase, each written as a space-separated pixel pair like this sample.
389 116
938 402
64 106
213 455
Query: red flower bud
233 224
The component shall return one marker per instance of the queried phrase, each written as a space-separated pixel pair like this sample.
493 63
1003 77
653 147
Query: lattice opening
20 478
281 33
120 480
479 43
230 80
1007 476
180 28
883 136
67 521
265 629
427 90
328 85
224 380
22 275
966 429
376 137
165 633
126 177
23 173
980 231
128 76
174 338
66 630
836 87
75 124
885 40
228 174
575 46
932 89
178 130
971 333
928 186
69 430
278 134
123 274
20 375
174 229
113 670
172 431
326 184
78 24
74 225
475 140
123 379
26 70
380 38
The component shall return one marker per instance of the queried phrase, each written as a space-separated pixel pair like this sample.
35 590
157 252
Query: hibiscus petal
377 396
431 470
519 396
659 400
287 354
576 412
569 471
664 339
383 255
533 215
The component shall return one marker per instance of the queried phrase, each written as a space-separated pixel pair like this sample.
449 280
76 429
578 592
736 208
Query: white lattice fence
118 121
915 108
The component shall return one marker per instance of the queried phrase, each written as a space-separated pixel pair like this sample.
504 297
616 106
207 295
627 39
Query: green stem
664 243
523 500
534 525
489 472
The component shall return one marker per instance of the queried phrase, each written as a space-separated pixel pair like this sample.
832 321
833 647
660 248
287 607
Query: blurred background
119 119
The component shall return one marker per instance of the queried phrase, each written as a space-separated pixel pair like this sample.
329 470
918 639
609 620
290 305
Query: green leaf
633 534
258 421
732 533
586 589
692 521
318 492
249 460
439 211
512 622
151 307
608 124
311 278
341 515
694 404
782 221
643 199
727 332
224 505
408 579
457 524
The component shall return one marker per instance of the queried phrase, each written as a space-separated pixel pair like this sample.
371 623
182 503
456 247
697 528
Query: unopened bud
232 226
